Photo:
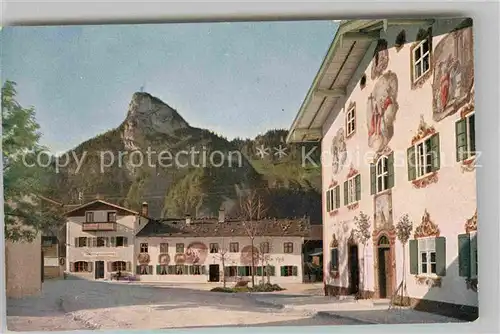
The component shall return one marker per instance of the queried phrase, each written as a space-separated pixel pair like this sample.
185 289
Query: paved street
81 304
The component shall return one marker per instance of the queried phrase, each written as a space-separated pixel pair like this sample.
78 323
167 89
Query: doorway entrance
99 269
384 267
353 269
213 273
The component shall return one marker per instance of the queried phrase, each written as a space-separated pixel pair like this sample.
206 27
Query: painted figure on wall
196 253
380 59
381 111
246 255
339 151
383 211
453 73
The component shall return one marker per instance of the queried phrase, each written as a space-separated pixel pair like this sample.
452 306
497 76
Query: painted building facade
214 250
393 105
100 239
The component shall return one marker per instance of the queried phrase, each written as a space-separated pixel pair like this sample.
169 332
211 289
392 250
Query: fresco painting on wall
383 211
381 59
246 255
196 252
453 80
339 151
381 111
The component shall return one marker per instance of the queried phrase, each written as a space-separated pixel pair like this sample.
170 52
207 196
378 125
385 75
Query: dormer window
89 217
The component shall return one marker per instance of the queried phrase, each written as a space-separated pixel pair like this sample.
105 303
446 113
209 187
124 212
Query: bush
258 288
221 289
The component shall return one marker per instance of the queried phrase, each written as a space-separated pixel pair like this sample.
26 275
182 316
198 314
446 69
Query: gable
99 206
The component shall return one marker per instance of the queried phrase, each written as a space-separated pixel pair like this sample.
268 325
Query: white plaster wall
126 227
450 202
278 257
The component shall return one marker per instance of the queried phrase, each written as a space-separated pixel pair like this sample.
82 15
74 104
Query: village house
218 249
393 106
100 238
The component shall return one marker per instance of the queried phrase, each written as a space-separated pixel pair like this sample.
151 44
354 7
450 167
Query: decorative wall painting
383 211
246 255
196 253
339 151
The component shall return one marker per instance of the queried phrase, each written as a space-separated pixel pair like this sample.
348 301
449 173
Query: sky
236 79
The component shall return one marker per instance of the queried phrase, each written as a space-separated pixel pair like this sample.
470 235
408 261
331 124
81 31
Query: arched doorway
384 266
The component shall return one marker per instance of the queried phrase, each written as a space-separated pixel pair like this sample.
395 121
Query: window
427 251
421 59
234 247
288 271
351 121
465 138
333 199
163 247
467 255
195 270
231 271
81 242
119 266
102 241
162 269
179 270
382 174
119 241
81 266
144 269
264 247
424 158
352 190
428 256
288 247
89 217
179 248
144 248
214 248
111 216
245 271
334 259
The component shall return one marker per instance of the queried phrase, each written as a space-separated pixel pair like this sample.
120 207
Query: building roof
212 228
98 202
339 69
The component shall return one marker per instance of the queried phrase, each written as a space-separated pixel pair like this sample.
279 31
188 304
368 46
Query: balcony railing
101 226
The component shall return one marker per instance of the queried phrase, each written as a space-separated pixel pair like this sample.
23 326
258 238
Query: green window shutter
283 271
413 257
464 258
158 270
441 256
328 194
190 270
436 156
203 270
272 270
259 270
337 197
461 139
137 269
346 193
473 252
334 259
357 181
150 270
412 169
241 271
472 134
77 243
390 170
373 179
295 271
187 270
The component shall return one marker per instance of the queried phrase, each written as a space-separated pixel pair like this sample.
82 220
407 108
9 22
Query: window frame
428 250
288 247
81 267
118 266
351 190
382 174
89 214
163 247
234 247
331 199
214 248
427 166
144 247
351 120
468 154
420 60
179 247
265 247
85 239
112 213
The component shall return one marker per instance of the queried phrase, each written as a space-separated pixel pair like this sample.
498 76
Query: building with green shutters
393 107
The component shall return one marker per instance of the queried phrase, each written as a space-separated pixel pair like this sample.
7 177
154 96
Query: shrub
267 287
221 289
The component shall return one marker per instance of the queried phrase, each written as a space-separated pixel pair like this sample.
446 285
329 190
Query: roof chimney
222 215
144 210
188 219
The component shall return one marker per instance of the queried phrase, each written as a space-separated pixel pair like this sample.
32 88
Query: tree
264 257
404 228
24 177
252 210
223 256
362 233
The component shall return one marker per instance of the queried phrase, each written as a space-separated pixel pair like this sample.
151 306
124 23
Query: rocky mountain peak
148 114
